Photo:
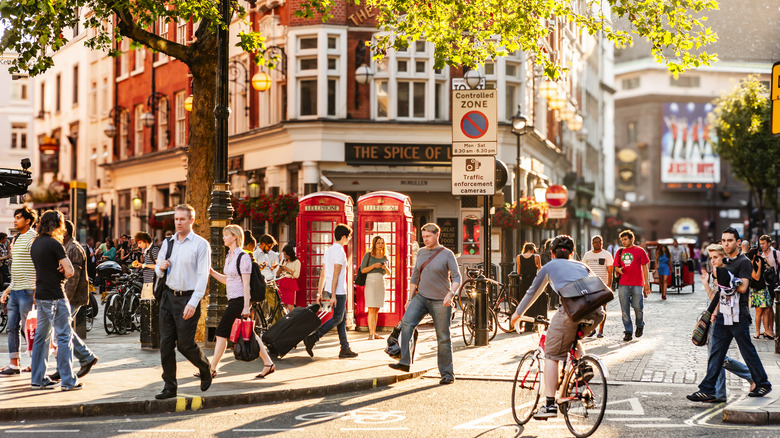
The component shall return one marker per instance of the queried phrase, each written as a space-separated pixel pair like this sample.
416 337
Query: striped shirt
598 263
22 268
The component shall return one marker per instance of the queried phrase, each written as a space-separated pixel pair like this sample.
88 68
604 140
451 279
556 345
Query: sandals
767 336
271 368
213 374
758 336
372 337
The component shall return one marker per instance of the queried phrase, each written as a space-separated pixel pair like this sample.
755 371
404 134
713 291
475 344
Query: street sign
474 122
473 175
774 94
556 195
460 84
556 213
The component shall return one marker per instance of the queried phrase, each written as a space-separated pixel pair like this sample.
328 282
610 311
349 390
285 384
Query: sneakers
309 342
399 367
760 391
47 384
628 337
55 377
75 387
640 331
346 354
546 412
8 371
701 397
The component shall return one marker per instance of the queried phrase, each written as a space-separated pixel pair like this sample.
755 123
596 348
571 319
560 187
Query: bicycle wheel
259 320
3 320
467 293
584 397
504 309
120 319
93 304
492 324
526 388
109 312
467 325
133 314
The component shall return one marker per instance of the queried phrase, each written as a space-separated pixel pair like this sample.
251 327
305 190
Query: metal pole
519 248
220 209
154 108
481 302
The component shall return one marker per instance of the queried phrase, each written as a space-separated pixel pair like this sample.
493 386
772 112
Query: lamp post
363 72
519 124
220 208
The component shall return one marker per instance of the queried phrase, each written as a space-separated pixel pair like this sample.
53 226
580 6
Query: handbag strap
715 299
422 268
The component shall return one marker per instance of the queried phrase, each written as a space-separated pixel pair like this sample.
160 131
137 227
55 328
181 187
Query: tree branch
128 28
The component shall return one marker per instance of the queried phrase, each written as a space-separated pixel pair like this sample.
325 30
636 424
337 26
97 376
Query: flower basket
283 209
532 213
505 217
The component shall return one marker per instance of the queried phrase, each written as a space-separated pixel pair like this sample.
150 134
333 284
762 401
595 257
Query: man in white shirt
333 280
187 277
771 257
266 257
600 262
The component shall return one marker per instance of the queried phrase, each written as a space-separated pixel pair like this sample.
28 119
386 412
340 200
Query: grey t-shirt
434 283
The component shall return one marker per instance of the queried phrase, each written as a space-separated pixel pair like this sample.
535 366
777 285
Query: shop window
163 132
181 32
471 233
308 89
411 99
319 88
138 135
18 136
124 132
124 59
181 120
19 90
381 99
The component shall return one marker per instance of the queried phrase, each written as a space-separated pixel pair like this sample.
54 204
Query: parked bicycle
122 306
3 318
581 393
265 313
501 304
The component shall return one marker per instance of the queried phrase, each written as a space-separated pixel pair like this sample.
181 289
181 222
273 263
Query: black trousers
177 332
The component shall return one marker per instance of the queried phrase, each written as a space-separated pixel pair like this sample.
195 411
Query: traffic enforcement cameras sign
473 175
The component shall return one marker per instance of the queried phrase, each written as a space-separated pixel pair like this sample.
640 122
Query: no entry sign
556 195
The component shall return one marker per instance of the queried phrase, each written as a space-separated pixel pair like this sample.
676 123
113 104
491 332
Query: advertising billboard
687 157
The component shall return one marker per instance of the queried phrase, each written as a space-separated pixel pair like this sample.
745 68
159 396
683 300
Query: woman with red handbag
237 290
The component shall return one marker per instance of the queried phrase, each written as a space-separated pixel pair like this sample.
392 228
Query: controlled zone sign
473 175
774 94
474 122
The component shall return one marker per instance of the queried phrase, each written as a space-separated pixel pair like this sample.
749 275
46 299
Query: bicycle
265 313
469 324
582 398
122 308
3 317
502 305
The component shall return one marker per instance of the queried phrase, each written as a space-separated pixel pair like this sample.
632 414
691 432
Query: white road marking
647 426
267 430
636 419
156 430
652 393
373 428
42 431
635 407
478 423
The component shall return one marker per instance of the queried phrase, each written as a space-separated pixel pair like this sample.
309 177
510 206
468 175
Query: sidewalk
762 410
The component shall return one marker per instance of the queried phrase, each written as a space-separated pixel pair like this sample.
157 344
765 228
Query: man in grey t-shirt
434 281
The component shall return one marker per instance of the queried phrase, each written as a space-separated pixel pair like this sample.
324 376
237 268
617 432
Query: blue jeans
80 349
19 304
720 342
631 297
418 307
736 367
339 320
53 314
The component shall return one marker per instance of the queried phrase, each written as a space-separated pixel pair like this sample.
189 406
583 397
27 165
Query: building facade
668 179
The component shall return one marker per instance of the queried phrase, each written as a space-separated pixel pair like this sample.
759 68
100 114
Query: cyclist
562 332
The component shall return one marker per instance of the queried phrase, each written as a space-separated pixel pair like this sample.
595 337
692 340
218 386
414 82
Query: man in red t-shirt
631 264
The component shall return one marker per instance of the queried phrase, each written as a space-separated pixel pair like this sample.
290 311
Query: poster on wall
687 156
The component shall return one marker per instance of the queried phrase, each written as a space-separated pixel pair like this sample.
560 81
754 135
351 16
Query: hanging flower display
505 217
284 209
156 223
277 209
532 213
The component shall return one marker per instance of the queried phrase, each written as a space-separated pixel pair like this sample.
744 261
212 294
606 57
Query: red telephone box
318 216
388 214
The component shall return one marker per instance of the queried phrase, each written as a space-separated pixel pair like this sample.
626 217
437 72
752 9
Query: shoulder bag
702 330
360 278
160 286
581 297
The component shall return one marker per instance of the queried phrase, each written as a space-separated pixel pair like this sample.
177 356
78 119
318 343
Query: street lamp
253 187
261 81
363 72
188 103
557 101
472 78
113 114
138 203
575 124
547 89
519 126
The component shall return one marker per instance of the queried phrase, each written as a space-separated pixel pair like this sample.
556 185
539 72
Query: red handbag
235 331
247 325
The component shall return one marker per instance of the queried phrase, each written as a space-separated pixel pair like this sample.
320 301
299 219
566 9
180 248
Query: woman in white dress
374 265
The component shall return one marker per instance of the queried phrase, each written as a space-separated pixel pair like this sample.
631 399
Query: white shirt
677 253
190 263
593 260
269 258
333 256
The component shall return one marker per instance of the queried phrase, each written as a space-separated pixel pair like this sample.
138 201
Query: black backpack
256 280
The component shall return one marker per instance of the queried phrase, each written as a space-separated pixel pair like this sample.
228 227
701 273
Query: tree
742 120
34 30
468 32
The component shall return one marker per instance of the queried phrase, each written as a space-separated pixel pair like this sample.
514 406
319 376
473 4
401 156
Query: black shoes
165 393
346 354
701 397
640 331
309 342
8 371
55 377
628 337
399 367
75 387
86 368
47 384
545 412
760 391
446 381
205 380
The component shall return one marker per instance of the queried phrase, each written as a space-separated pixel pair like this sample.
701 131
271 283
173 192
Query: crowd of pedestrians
47 267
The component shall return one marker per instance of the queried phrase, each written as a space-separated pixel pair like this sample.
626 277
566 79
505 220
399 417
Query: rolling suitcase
283 336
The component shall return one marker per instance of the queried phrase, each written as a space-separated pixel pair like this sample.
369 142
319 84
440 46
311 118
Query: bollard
150 324
481 313
514 285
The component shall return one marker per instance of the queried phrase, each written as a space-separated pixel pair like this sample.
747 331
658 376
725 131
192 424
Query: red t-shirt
631 260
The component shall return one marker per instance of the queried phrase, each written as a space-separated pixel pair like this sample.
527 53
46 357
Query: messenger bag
582 297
